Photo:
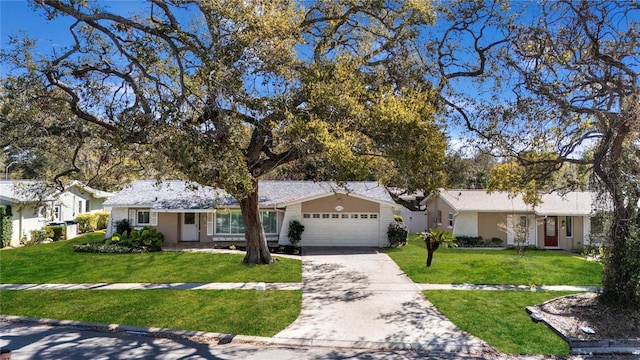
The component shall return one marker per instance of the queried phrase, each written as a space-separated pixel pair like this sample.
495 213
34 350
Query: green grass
246 312
500 318
500 267
57 263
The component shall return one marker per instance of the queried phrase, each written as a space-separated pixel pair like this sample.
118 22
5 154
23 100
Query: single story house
354 214
560 221
35 204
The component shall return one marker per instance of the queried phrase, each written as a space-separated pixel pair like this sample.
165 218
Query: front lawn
58 263
246 312
496 267
500 318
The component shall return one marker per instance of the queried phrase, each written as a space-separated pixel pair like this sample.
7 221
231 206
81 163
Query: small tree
295 232
519 231
397 233
436 238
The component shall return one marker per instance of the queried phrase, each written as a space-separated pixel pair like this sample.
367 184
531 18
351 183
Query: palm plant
435 238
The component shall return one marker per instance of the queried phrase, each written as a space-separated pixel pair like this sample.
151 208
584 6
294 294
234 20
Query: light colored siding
292 212
432 211
465 224
386 218
117 214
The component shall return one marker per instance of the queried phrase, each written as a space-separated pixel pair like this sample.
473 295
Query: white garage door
340 229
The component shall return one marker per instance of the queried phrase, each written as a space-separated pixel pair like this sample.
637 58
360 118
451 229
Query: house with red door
560 221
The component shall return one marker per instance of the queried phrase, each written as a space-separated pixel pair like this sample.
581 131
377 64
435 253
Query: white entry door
189 227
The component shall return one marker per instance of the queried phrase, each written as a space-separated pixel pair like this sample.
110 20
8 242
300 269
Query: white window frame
450 221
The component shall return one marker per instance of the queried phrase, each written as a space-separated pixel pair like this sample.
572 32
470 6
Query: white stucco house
35 204
560 221
356 214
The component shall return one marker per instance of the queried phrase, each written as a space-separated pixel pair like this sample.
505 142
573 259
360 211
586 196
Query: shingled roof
178 194
572 203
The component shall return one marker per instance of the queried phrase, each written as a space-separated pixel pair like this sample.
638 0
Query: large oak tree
228 91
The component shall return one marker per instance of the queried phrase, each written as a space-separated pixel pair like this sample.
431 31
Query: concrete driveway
360 296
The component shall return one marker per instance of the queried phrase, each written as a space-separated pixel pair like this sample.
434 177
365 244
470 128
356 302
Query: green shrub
295 232
123 227
398 218
102 219
145 240
59 232
398 233
86 223
496 241
6 225
39 236
469 241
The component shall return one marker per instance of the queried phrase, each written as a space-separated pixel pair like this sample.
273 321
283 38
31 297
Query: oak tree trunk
257 249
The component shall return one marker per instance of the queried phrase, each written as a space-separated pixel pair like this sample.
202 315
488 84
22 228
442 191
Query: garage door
340 229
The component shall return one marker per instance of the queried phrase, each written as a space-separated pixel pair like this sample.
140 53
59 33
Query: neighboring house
558 222
78 199
412 211
35 204
357 214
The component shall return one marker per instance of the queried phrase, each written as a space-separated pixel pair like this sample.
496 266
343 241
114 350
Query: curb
223 339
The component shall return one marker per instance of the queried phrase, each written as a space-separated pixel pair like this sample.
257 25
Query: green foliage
86 222
123 227
147 239
6 225
622 271
398 218
397 233
295 232
39 236
58 232
435 238
102 219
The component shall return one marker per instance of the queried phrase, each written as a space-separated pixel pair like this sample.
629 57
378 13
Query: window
306 216
569 226
87 206
269 222
354 216
523 223
56 212
80 207
143 218
451 220
373 216
325 216
230 222
439 217
364 216
189 218
316 216
335 216
345 216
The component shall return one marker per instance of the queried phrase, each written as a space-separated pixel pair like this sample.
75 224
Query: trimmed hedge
102 219
6 225
59 232
86 223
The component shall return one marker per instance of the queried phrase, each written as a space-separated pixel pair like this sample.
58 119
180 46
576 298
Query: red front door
551 231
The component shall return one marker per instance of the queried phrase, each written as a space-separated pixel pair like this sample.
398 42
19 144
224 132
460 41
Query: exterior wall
169 226
432 213
385 218
117 214
292 212
577 238
488 225
25 219
348 203
464 224
72 203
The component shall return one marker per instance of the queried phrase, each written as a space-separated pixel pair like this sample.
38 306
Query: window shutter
132 217
153 218
209 224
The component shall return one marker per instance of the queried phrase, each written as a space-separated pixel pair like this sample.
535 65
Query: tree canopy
227 91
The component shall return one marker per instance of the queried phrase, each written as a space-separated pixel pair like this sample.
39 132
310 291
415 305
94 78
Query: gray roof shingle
178 194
